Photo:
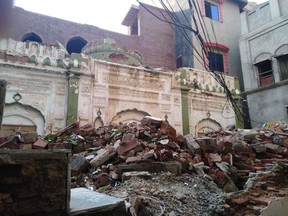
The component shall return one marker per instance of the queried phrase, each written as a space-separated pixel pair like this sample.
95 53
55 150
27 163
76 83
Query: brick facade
155 42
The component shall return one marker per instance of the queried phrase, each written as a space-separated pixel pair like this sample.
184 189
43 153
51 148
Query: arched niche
17 115
262 57
206 125
75 44
31 37
130 115
282 50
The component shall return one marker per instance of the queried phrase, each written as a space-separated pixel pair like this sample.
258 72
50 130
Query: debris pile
115 154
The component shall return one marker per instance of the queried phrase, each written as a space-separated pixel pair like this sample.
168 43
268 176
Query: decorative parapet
40 55
109 51
199 80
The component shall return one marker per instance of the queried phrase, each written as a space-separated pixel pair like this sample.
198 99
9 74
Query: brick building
153 40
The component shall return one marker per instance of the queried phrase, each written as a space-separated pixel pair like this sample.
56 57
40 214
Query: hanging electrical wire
197 26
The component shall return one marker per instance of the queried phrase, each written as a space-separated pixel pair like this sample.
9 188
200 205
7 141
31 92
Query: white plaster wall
46 92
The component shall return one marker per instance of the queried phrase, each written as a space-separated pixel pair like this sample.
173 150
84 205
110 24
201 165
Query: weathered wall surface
109 91
264 43
34 182
259 16
268 105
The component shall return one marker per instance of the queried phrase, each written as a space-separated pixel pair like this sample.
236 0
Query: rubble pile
111 155
261 189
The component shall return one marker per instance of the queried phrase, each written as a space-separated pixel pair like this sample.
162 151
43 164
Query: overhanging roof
131 15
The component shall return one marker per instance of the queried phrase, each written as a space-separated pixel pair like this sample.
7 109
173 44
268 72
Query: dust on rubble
166 194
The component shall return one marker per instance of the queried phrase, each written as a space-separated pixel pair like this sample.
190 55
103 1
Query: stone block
133 160
192 145
40 144
149 154
103 155
78 164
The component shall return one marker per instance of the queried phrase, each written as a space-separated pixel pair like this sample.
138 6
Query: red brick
126 147
40 144
192 145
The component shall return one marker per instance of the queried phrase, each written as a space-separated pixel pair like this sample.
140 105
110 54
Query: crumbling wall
38 76
34 182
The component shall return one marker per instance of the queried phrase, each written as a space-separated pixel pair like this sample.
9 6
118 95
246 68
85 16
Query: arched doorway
75 44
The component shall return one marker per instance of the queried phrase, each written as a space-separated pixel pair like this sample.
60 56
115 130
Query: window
283 66
216 62
265 72
212 11
31 37
76 44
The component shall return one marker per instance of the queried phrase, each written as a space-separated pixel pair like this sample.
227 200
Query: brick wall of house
157 37
34 182
155 44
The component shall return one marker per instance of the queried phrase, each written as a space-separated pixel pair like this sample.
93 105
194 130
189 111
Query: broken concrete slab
87 202
279 205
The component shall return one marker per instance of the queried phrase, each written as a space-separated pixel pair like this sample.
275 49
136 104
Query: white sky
106 14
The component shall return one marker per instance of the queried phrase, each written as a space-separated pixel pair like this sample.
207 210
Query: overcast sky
106 14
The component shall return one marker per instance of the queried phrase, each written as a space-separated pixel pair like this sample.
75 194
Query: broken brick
152 122
133 159
40 144
103 155
207 144
125 147
192 145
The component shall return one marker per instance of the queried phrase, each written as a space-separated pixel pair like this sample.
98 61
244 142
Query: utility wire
201 38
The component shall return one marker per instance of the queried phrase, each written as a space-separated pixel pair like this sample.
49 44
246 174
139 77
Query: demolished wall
34 182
